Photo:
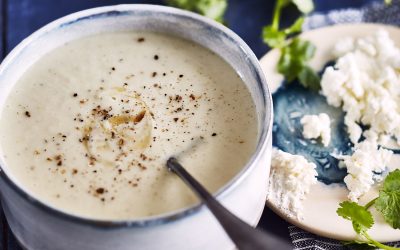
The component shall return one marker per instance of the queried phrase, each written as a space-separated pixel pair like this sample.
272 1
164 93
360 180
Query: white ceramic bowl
40 226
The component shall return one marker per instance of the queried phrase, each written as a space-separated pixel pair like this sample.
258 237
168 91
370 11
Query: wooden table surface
19 18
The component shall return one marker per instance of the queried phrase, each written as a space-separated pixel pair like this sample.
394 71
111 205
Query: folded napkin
376 12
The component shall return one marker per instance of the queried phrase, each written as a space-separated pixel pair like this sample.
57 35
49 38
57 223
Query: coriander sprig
295 52
214 9
388 203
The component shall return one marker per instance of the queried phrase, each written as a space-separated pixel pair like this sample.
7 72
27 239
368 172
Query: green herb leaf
360 217
274 38
302 49
392 181
214 9
309 78
289 65
296 53
305 6
296 27
362 220
293 63
388 202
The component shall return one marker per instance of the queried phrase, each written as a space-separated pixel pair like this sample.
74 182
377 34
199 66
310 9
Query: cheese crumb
317 126
366 161
365 81
290 181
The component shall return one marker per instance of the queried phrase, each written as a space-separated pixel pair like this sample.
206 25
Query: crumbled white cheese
317 126
365 81
361 165
290 181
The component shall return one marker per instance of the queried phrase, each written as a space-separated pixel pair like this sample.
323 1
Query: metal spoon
242 234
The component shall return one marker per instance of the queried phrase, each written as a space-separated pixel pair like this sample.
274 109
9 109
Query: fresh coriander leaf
296 27
274 38
214 9
289 65
362 220
302 49
293 63
183 4
305 6
309 78
296 53
388 202
392 181
360 217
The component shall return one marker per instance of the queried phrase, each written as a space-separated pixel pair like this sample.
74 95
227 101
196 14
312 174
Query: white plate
320 205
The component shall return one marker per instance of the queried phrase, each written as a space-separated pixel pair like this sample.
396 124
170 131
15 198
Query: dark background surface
19 18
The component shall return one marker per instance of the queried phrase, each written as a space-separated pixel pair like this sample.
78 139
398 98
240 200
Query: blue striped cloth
303 240
376 12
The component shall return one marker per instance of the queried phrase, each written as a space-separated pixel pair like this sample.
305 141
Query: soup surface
89 127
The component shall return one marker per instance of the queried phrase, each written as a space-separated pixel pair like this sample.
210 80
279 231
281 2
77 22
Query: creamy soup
89 127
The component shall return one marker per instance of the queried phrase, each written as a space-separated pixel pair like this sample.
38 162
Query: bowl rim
264 130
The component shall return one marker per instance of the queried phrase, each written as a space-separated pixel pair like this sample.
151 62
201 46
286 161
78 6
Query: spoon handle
242 234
